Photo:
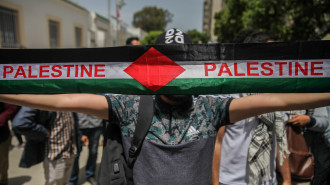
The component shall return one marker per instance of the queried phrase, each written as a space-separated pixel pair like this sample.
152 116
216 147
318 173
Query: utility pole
109 17
119 4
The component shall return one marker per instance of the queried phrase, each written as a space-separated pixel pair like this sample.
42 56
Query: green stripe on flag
176 86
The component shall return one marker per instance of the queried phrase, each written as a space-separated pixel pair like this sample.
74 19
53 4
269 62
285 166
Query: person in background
314 123
7 112
133 41
179 145
254 157
18 137
326 136
52 137
92 127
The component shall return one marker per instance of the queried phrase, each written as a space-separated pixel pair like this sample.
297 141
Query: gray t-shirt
235 144
88 121
178 149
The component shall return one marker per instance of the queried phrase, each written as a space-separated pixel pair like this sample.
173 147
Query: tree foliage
150 38
198 37
289 19
151 18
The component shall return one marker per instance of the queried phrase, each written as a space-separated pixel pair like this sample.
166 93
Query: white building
43 24
103 34
57 24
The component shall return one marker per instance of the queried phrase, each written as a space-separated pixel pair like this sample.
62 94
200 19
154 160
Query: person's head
175 36
133 41
254 36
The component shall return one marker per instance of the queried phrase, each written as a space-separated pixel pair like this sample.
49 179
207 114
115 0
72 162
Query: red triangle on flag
154 70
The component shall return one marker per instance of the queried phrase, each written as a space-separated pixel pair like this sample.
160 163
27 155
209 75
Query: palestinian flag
169 69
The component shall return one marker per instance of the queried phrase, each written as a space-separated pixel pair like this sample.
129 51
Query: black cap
173 36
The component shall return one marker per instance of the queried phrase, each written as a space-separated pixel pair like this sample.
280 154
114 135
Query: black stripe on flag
187 52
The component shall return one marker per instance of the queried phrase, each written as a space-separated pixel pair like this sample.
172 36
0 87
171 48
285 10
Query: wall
35 15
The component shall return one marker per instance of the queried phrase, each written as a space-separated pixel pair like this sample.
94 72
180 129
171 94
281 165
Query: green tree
229 21
198 37
150 38
151 18
289 19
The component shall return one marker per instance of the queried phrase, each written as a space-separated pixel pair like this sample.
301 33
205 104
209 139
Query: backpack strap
146 113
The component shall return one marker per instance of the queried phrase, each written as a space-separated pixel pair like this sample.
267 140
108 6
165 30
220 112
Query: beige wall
35 14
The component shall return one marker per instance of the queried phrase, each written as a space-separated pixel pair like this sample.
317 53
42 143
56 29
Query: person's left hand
299 120
84 140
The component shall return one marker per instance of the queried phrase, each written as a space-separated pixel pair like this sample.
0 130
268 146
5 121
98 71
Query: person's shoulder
128 100
211 98
122 96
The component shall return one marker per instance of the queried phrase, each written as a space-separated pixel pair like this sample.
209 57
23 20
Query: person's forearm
42 102
91 104
217 156
242 108
301 101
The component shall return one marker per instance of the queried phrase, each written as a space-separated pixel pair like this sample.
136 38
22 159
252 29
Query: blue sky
188 14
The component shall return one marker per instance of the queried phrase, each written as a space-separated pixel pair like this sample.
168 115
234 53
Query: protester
133 41
7 112
51 138
313 122
247 152
253 158
19 139
92 127
326 136
179 146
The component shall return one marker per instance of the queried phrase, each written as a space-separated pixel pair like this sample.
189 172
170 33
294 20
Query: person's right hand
299 120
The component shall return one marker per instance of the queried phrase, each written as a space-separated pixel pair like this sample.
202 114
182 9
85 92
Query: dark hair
241 35
253 36
130 39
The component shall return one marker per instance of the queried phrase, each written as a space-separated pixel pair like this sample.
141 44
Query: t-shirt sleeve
222 112
110 112
227 116
123 107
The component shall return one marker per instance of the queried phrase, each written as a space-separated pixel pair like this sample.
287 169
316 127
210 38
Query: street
35 174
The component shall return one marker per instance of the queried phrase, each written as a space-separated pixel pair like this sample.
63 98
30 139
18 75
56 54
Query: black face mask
185 105
179 99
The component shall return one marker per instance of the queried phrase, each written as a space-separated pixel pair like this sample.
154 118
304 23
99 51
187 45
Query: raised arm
84 103
245 107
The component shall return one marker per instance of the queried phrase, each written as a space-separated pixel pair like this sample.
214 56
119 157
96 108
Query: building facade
43 24
56 24
211 7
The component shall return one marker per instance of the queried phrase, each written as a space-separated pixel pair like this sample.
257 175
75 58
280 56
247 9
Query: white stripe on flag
318 68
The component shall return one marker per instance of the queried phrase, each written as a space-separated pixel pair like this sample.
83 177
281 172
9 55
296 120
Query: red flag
118 13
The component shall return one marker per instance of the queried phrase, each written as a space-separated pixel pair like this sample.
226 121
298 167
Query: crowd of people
245 131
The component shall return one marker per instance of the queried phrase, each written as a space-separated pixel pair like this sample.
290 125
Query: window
9 28
78 34
54 34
